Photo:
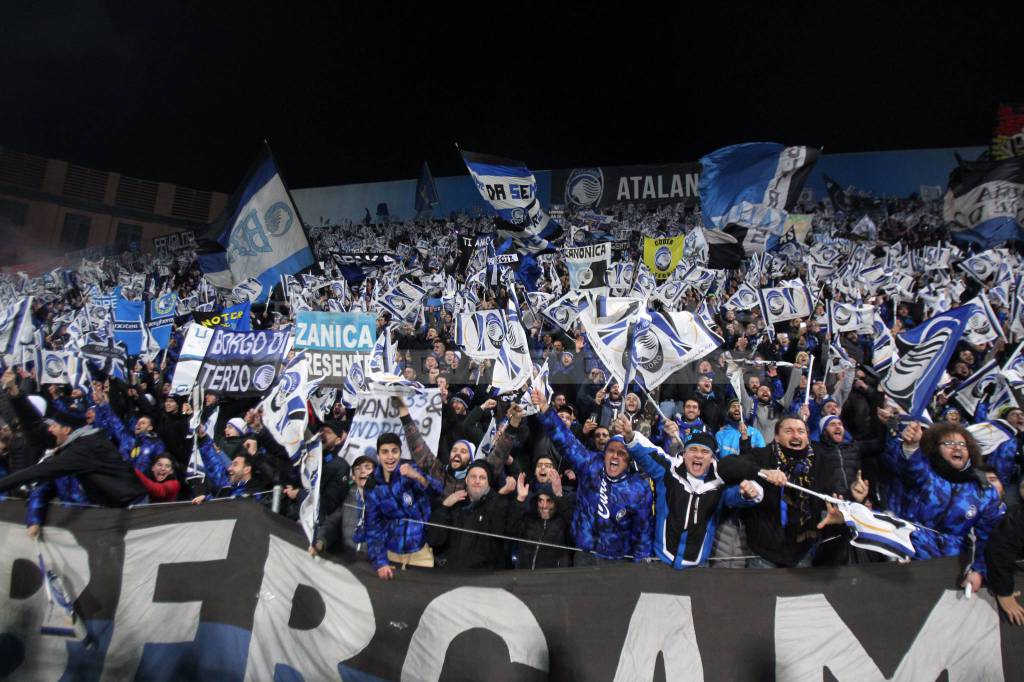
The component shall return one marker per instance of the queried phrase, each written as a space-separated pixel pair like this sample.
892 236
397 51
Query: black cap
704 440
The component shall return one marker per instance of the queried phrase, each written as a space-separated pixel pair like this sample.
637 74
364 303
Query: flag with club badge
847 317
662 255
609 325
564 311
511 190
783 303
913 378
284 410
309 473
513 365
260 234
984 325
480 335
745 298
663 343
972 391
403 301
588 267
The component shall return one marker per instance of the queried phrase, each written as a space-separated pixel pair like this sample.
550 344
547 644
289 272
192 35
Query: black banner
600 187
226 590
365 260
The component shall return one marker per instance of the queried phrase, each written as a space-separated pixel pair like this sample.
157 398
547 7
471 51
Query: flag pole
810 379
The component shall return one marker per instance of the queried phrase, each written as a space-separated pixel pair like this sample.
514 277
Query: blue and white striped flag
753 185
16 326
511 190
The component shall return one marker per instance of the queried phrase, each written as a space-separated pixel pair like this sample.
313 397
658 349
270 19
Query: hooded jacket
527 524
687 508
613 516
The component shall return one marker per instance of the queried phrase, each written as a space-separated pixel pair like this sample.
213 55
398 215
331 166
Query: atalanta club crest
648 351
263 377
585 187
663 258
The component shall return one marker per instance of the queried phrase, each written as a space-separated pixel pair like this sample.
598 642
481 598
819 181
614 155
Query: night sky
348 93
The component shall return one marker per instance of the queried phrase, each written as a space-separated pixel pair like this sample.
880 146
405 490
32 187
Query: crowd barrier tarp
226 591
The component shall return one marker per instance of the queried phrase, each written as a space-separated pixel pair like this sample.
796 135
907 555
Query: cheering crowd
579 469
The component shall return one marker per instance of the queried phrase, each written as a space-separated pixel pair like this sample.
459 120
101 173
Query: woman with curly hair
939 482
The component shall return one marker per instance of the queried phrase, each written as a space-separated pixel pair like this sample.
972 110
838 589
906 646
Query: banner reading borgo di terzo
229 363
228 592
602 186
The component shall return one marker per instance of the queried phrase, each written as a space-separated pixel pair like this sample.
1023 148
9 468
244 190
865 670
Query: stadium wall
885 173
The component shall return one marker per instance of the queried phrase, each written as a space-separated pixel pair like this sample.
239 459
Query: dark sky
346 92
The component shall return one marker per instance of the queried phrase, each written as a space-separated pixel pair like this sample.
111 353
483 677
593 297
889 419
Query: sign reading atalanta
226 591
593 188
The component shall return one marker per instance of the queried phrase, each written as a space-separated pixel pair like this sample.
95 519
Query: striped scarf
797 465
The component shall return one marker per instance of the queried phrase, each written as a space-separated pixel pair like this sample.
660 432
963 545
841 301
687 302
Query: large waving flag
609 324
511 190
259 236
426 191
986 198
753 185
913 378
665 342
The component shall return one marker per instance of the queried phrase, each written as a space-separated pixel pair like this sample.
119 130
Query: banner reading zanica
329 337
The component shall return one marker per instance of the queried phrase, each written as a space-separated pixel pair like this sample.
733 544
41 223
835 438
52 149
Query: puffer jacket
687 509
392 509
139 450
613 516
951 509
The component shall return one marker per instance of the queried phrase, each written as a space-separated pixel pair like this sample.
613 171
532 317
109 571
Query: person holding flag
612 520
942 486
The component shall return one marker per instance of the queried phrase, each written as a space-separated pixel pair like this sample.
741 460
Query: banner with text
375 415
599 187
329 337
227 592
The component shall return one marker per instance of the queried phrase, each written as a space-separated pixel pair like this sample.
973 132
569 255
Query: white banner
375 415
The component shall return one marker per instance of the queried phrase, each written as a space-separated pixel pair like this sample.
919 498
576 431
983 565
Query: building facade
52 210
